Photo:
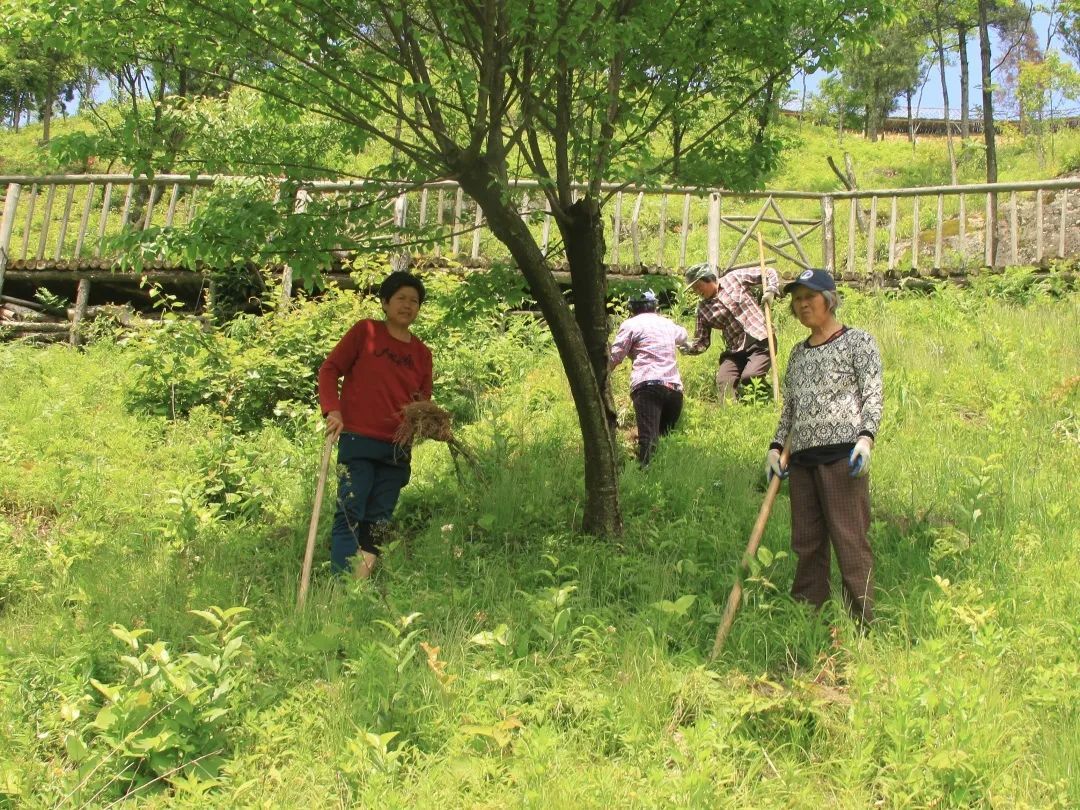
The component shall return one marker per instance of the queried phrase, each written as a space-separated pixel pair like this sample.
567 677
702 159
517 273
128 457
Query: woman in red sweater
384 367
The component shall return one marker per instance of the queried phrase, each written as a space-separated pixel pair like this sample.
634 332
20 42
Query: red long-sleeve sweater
381 375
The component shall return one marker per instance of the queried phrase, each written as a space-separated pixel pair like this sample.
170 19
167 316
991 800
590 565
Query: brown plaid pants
828 504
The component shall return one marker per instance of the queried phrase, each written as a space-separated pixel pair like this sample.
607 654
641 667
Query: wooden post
892 234
916 226
768 322
939 233
423 206
85 220
635 228
106 200
988 232
455 241
871 241
7 223
963 230
714 230
440 205
64 223
125 214
1061 231
46 221
82 296
663 230
29 220
155 191
828 234
616 230
174 197
1039 226
1014 231
478 221
851 234
300 204
685 230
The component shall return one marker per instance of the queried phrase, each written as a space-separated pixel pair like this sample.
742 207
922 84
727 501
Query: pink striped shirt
650 340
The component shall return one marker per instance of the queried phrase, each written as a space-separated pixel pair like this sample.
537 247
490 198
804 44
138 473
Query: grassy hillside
501 659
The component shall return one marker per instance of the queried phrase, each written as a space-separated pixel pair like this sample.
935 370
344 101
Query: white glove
768 298
859 460
772 466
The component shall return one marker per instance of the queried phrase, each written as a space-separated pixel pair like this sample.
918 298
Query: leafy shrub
164 720
264 368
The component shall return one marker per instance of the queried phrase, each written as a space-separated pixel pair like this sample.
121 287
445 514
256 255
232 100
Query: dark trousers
739 368
371 474
827 505
657 409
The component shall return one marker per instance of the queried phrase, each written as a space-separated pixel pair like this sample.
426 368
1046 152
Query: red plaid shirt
734 311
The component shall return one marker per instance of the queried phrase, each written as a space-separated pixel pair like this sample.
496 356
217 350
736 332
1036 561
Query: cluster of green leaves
263 368
163 722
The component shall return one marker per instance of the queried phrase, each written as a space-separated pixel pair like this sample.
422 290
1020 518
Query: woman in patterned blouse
832 408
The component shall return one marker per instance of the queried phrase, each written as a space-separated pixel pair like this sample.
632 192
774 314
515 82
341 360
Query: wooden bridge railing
68 222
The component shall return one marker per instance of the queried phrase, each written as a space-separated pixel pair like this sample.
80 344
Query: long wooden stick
735 597
309 552
768 324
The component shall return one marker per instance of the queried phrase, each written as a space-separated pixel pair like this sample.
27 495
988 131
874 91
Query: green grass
586 690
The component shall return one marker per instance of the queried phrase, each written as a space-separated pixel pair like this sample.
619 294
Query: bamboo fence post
828 234
155 191
478 221
191 205
915 228
455 242
29 220
617 229
892 234
939 232
635 228
7 223
423 206
714 230
68 200
85 220
735 597
82 297
300 203
126 212
106 200
963 229
852 224
1014 231
313 527
988 232
174 198
440 204
768 323
46 221
1061 230
685 230
1039 226
663 230
871 240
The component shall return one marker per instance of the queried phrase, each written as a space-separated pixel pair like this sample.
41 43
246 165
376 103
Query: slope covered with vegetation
154 502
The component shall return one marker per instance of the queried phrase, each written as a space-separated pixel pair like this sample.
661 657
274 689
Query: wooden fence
68 224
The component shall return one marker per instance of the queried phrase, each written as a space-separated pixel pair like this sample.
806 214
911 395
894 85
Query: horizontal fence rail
73 222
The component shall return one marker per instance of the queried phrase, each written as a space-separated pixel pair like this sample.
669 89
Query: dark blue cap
818 280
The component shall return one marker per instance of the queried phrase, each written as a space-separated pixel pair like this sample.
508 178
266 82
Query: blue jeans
371 476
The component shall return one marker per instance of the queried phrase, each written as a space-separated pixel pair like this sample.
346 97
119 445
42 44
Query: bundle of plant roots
426 420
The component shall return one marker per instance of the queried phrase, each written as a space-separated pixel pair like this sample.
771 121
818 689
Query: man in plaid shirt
728 304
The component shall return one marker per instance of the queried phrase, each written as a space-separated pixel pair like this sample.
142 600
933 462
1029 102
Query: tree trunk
577 335
47 110
988 121
910 120
965 84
